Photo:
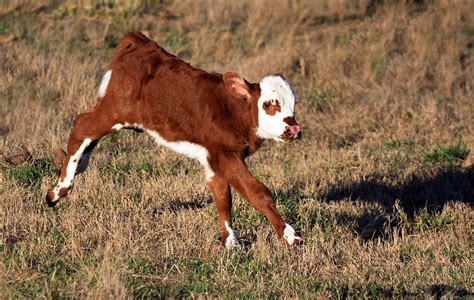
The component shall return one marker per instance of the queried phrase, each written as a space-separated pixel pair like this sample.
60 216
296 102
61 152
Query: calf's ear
237 85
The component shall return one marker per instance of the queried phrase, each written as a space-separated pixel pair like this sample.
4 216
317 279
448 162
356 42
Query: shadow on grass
418 193
442 290
423 195
375 291
178 205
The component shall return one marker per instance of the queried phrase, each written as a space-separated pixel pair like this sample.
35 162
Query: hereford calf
217 119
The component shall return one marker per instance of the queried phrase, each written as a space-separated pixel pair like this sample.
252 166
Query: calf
217 119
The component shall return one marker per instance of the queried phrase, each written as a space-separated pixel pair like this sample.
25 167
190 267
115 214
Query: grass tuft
449 155
425 221
321 100
31 173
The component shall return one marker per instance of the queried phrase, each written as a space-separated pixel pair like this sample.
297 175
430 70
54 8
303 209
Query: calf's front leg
259 197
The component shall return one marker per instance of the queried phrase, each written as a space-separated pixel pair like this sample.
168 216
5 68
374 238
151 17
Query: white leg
231 241
289 234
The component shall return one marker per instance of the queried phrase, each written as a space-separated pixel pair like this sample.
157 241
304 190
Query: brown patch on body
271 107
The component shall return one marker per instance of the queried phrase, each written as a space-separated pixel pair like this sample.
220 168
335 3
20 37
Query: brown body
152 90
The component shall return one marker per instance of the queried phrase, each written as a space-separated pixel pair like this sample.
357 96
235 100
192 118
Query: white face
275 106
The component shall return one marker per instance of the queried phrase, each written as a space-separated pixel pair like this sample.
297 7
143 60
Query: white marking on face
191 150
104 83
275 88
289 234
231 240
73 162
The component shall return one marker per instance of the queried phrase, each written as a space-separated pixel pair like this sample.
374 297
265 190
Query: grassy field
381 186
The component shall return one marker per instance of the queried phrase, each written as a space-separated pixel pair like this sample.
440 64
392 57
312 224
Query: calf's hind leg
88 129
223 200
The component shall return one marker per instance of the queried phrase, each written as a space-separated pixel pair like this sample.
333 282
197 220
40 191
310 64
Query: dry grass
381 185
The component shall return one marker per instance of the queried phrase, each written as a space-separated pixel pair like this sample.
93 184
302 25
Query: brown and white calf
217 119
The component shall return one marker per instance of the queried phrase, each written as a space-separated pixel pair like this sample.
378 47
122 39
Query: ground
381 186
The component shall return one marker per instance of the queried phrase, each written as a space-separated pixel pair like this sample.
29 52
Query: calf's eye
266 104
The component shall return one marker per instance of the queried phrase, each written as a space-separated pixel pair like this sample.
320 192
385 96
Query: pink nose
295 131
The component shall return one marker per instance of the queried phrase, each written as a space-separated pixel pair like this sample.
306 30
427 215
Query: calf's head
274 101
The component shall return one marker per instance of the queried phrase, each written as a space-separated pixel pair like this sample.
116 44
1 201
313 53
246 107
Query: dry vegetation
381 186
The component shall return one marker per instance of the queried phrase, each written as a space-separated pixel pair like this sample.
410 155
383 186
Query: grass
448 155
381 185
31 173
425 221
321 100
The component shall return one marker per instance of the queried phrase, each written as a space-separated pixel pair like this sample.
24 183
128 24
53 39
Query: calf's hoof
229 238
297 242
291 237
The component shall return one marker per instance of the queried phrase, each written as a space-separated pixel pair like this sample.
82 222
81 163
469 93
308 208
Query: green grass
142 282
320 100
146 278
4 29
377 67
425 221
52 273
175 39
30 174
449 155
397 144
288 205
141 266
